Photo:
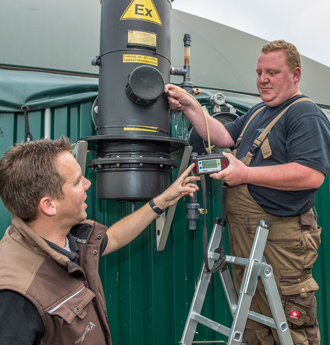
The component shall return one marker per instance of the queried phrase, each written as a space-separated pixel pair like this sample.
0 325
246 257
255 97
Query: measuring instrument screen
209 164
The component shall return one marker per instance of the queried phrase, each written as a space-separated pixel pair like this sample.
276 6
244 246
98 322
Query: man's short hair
28 172
291 52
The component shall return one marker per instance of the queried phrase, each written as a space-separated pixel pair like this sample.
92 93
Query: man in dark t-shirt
281 155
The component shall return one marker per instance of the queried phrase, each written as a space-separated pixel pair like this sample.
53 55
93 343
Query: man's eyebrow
267 70
78 178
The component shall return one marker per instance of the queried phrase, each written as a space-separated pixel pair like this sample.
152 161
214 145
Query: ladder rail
200 290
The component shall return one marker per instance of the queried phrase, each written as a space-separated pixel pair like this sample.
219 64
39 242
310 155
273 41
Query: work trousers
291 250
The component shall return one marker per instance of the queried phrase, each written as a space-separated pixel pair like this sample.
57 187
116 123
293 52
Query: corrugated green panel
7 133
321 268
60 122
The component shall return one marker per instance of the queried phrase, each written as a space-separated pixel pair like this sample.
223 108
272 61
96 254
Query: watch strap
155 207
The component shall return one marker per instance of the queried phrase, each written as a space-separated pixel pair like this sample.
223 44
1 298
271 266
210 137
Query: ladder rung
230 259
210 342
268 321
211 324
262 319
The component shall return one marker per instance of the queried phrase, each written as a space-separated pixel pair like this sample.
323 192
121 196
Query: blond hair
291 52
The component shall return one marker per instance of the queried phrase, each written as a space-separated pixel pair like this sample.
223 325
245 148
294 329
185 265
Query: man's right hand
178 98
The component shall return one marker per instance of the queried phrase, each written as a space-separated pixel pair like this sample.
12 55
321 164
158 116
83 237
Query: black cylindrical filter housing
133 140
132 35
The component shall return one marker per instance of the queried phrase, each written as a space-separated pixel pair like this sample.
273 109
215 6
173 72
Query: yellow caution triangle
142 10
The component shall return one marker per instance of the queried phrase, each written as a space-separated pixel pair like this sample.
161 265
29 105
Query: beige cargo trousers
291 250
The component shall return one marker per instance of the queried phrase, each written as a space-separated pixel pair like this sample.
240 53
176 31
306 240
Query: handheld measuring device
209 164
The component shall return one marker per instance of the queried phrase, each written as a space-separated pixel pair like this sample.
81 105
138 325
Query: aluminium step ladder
255 266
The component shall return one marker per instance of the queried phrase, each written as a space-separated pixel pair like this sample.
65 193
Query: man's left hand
235 174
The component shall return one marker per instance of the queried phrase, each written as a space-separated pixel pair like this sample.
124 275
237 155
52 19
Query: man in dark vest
50 290
281 155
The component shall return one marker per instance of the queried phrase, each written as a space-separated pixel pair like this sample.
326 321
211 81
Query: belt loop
314 212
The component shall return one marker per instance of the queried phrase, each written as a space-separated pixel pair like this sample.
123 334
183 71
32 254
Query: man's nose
87 183
263 78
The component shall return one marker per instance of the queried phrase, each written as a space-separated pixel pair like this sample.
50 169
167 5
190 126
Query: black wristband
155 208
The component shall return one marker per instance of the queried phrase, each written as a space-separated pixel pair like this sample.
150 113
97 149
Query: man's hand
178 98
235 174
178 189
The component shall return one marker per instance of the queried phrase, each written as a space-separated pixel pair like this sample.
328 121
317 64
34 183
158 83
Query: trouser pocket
299 301
311 233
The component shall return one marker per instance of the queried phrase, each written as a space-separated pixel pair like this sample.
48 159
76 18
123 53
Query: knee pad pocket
300 302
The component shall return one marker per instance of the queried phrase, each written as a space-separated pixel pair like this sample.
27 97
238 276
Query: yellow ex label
142 10
135 58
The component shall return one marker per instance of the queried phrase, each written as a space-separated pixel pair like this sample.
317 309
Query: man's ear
297 74
47 206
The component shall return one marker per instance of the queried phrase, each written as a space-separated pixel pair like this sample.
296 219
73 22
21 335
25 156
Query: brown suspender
262 140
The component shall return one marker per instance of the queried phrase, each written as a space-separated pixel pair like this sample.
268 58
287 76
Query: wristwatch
155 208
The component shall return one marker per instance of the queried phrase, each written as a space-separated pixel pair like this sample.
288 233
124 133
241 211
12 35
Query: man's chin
83 218
268 100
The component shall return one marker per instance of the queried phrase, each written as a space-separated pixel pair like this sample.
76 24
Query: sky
306 24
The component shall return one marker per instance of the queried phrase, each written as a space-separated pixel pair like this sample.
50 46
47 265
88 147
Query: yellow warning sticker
142 10
140 129
135 58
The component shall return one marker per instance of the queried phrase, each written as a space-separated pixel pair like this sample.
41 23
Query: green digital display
209 164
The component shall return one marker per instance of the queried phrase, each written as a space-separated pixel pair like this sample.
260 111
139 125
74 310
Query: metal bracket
163 224
80 154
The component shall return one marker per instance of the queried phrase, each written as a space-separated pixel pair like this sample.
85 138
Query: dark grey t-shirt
302 135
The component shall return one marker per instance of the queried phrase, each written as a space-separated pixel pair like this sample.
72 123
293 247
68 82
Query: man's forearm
128 228
181 101
218 133
290 176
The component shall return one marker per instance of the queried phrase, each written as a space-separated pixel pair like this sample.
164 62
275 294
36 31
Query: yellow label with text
135 58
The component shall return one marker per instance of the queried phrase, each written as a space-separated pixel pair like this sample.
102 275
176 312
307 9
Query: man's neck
296 93
50 232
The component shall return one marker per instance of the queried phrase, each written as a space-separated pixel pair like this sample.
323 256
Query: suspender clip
253 148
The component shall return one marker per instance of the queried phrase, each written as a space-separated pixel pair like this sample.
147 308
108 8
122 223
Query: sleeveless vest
68 297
